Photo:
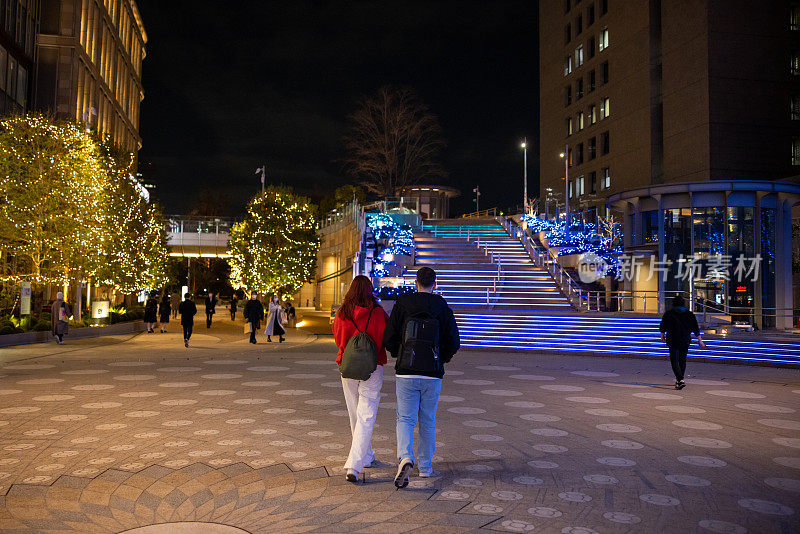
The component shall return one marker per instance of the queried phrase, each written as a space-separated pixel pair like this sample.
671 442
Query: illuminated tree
51 188
135 254
275 248
394 141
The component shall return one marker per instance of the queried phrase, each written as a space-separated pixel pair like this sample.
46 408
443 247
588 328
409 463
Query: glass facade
677 247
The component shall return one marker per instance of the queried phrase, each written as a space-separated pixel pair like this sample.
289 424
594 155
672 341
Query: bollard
487 295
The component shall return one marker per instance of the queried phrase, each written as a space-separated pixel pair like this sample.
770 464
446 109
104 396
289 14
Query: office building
19 22
89 65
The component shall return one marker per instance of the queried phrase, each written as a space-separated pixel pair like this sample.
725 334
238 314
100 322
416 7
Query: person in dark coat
253 315
175 301
187 310
151 313
234 305
418 391
211 308
677 327
59 318
164 311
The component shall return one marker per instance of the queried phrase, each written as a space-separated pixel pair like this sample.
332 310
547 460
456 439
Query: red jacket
344 329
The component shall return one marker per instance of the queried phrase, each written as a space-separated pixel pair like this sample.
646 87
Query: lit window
796 151
579 56
570 189
602 41
796 63
579 185
569 126
794 22
795 107
567 65
605 108
580 120
592 114
605 178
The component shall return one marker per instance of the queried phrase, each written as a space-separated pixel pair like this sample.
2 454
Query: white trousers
362 398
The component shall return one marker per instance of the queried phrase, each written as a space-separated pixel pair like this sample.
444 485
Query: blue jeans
417 400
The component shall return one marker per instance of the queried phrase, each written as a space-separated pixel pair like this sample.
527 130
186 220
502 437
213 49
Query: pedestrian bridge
198 237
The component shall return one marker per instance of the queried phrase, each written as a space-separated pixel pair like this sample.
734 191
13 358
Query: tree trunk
76 311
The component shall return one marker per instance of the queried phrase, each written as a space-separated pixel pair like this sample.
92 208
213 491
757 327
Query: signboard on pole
25 299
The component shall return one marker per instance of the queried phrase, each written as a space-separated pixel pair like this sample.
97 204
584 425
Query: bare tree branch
394 141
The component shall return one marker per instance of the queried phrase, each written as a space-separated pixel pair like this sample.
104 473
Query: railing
590 300
549 261
483 214
350 212
198 225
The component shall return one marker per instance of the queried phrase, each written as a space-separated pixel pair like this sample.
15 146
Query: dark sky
230 85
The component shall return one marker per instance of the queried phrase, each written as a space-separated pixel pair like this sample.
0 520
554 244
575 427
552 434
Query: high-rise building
89 65
649 92
19 22
683 118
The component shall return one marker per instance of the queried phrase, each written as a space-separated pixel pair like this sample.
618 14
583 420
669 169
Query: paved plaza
110 434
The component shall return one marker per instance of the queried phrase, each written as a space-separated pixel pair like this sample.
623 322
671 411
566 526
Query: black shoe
269 339
403 472
680 384
281 340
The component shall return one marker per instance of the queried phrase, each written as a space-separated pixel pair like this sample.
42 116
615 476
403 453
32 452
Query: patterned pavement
116 433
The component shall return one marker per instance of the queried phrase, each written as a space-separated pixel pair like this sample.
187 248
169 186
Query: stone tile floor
111 434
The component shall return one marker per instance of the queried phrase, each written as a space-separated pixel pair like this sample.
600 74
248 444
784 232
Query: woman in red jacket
360 312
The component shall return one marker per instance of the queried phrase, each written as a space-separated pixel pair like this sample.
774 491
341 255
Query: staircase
479 267
526 311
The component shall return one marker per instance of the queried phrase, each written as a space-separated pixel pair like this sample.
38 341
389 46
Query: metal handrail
566 284
480 214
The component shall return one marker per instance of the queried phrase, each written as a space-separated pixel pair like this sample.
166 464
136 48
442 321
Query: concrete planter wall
27 338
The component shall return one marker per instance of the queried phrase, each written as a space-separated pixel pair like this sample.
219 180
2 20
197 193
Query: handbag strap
352 320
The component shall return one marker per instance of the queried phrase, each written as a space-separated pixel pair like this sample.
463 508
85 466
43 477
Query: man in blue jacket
423 336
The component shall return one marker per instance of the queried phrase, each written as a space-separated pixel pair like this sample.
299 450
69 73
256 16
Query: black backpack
360 355
419 351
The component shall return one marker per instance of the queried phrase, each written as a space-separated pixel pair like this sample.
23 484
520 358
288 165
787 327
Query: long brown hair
359 294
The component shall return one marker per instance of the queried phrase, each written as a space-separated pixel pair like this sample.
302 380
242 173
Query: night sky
231 85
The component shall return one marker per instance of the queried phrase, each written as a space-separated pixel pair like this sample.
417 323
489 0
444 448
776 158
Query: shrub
5 330
42 326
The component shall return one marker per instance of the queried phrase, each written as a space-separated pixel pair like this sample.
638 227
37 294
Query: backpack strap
352 320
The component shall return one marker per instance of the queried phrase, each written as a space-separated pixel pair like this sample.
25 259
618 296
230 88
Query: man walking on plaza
188 310
423 336
678 324
253 315
211 308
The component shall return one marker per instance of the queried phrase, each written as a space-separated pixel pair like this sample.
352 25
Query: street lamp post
565 155
525 175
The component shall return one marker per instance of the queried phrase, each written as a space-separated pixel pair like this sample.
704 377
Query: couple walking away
254 314
422 336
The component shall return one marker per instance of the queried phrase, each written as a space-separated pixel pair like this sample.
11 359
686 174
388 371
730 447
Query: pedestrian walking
234 305
423 336
151 312
188 310
358 332
253 315
290 314
211 308
164 311
275 321
175 302
59 318
677 326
